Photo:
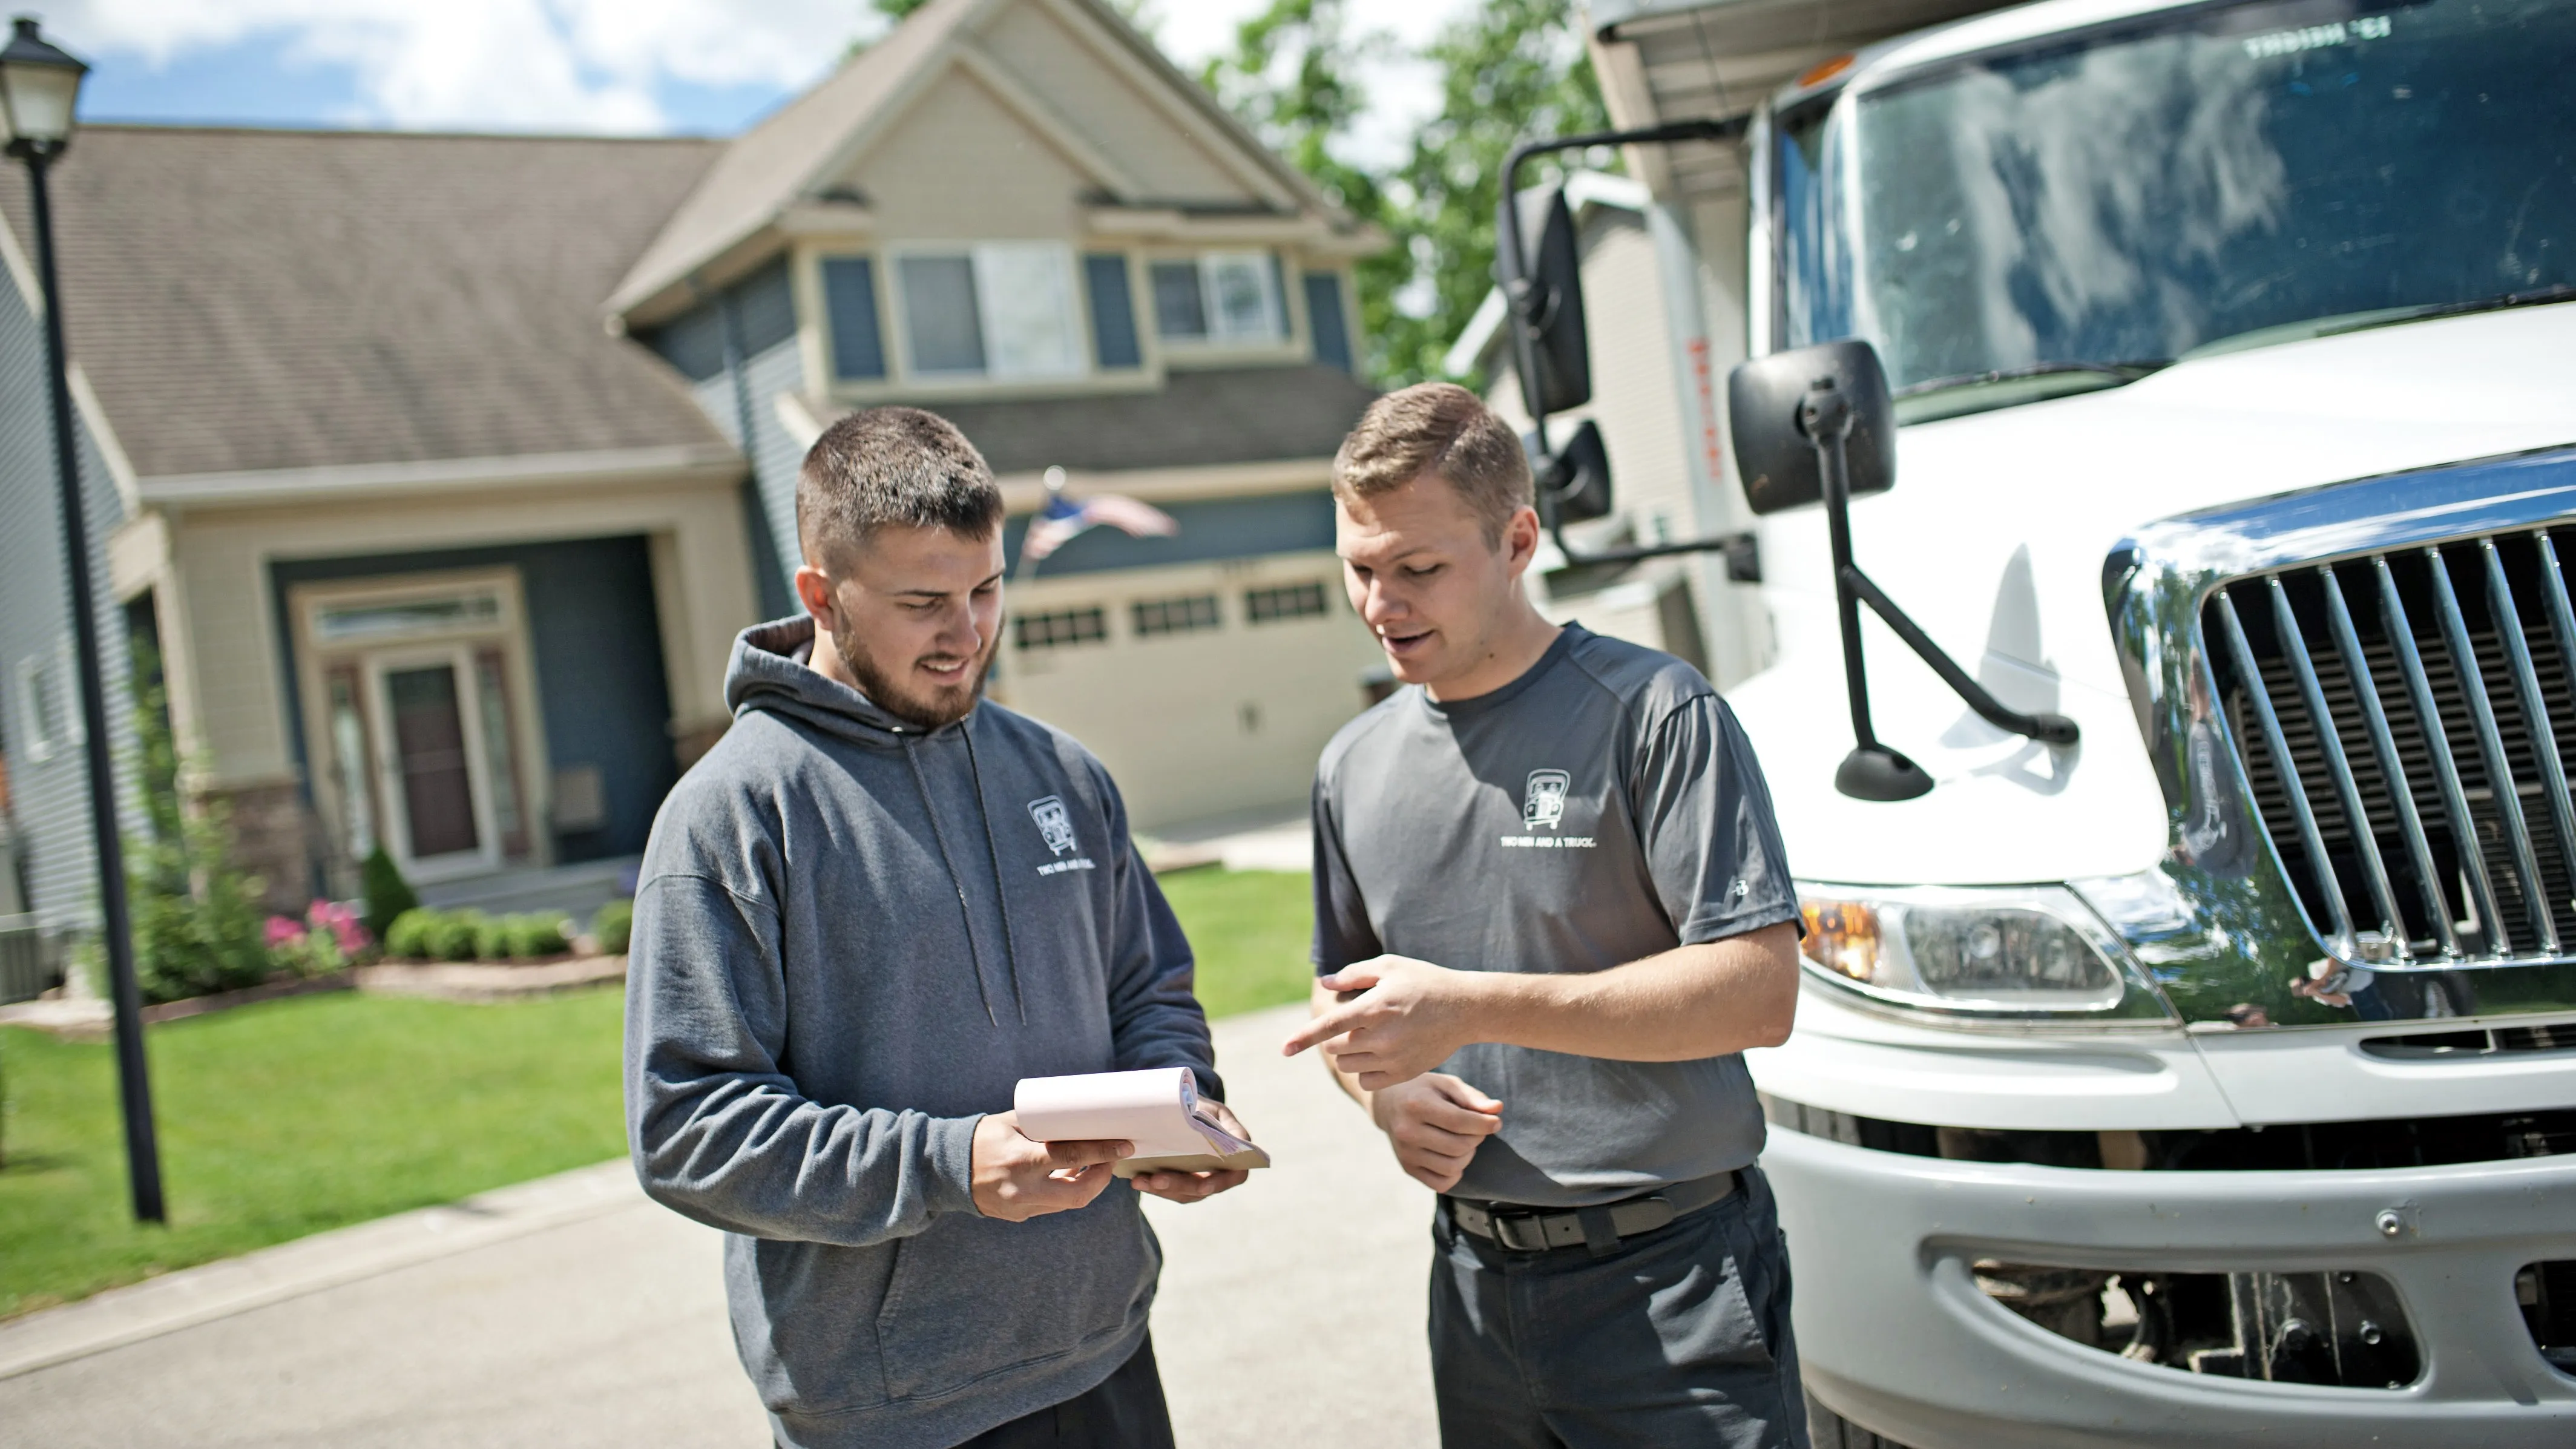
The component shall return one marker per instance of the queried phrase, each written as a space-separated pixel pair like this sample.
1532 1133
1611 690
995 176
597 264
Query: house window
850 303
1227 298
1325 320
1061 629
1113 312
48 718
341 623
999 309
1180 615
1287 601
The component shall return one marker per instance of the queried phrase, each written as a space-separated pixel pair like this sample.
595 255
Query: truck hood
1994 538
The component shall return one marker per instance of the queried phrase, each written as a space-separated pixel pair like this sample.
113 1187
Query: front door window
434 774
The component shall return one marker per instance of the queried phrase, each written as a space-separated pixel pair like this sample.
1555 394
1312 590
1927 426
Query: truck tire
1829 1430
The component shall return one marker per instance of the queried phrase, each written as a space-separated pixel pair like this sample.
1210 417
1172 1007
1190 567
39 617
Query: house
1657 389
439 471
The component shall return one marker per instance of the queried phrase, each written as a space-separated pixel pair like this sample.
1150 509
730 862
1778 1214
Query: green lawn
295 1116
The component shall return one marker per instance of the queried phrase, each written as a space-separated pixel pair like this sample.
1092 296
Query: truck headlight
2004 952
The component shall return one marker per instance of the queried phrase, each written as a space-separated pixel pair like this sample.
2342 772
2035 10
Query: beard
928 708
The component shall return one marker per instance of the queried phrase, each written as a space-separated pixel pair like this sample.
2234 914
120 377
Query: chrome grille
2406 724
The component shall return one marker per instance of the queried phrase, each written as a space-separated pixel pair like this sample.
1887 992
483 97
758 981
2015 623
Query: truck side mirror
1774 455
1574 481
1545 309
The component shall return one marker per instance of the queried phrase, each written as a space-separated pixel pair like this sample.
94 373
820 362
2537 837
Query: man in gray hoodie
863 917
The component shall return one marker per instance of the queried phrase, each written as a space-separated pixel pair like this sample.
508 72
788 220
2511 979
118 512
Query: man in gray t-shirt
1551 910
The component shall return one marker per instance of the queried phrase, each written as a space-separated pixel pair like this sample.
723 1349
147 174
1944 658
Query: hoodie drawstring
993 854
958 882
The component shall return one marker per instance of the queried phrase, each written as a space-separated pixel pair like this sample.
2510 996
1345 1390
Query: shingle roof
250 300
1237 415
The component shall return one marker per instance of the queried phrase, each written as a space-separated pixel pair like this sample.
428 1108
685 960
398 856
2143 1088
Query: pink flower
283 932
341 921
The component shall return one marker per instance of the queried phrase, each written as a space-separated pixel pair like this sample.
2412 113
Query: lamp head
39 87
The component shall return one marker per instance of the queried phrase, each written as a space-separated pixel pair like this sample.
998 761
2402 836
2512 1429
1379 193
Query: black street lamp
38 88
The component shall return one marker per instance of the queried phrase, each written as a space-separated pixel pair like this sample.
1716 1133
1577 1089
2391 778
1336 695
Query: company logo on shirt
1545 802
1055 824
1543 805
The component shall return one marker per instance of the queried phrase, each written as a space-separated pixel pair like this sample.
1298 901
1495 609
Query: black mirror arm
1513 263
2051 729
1744 561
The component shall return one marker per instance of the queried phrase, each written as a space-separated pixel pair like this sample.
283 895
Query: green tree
1510 70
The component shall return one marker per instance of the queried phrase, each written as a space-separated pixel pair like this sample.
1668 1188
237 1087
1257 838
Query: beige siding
229 652
1070 78
961 165
1199 724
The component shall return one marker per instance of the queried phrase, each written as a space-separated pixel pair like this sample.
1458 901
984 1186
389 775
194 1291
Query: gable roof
247 300
788 157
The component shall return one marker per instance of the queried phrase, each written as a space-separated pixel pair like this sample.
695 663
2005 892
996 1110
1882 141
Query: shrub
388 895
197 921
408 935
613 925
452 935
537 936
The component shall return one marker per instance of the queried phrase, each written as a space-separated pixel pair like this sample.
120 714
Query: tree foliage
198 924
1509 69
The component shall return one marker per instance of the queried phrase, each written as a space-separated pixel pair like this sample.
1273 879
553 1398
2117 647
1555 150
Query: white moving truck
2188 1052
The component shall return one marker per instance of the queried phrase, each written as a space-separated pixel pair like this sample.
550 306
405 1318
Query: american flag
1063 520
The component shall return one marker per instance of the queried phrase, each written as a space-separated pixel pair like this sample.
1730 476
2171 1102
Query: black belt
1535 1230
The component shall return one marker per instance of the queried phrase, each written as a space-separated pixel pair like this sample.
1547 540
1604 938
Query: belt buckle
1504 1223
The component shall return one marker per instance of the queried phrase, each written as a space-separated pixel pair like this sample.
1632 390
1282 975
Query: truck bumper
1894 1333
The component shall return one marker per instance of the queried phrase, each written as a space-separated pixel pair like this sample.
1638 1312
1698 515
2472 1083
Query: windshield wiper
2116 373
2344 323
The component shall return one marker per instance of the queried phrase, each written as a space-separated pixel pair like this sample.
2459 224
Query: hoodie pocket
973 1297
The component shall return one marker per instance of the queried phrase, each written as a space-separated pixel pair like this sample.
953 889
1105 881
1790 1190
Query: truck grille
2405 721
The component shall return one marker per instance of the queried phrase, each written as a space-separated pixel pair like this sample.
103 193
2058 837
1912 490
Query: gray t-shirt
1601 808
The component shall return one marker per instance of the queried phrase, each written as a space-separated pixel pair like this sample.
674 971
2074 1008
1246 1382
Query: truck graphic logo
1054 822
1545 802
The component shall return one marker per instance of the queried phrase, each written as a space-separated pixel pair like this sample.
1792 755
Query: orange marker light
1827 71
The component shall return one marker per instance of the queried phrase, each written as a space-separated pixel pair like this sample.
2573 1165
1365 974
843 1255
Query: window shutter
1113 312
850 304
1279 295
1324 318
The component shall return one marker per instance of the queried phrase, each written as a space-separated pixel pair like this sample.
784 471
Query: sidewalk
572 1312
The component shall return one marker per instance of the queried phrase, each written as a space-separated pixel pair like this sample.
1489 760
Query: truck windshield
2077 212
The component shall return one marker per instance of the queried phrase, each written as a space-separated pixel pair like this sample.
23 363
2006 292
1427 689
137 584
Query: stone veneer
271 831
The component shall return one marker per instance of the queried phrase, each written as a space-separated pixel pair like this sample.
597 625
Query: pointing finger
1323 1028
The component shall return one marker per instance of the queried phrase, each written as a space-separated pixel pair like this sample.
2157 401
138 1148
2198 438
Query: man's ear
1520 539
814 590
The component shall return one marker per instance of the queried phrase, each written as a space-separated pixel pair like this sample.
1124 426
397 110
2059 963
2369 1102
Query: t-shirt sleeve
1711 842
1342 930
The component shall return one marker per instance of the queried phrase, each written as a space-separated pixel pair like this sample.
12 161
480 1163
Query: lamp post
39 86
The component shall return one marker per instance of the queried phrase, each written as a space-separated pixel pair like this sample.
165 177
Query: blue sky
616 66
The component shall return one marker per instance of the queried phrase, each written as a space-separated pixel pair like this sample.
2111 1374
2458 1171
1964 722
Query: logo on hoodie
1054 822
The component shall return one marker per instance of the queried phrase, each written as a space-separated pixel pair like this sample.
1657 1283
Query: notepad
1156 1109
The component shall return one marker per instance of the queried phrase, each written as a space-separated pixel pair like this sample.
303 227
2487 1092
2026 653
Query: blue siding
1113 312
1325 320
850 304
597 647
50 799
1214 528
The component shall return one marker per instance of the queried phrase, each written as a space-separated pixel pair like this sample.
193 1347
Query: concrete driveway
572 1312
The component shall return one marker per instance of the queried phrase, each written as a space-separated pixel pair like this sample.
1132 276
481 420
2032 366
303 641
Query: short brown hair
1437 427
892 466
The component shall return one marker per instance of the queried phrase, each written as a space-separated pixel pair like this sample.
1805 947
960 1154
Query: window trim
1066 253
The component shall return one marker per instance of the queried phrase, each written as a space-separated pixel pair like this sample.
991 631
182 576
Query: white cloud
600 65
508 64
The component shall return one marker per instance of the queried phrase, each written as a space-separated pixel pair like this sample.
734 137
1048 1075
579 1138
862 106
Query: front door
434 780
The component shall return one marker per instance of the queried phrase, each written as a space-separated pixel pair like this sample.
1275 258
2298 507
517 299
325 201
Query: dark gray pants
1679 1336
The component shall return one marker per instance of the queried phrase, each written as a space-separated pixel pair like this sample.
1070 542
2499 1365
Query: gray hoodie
852 938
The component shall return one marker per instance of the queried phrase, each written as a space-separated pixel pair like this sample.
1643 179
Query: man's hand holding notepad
1156 1111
